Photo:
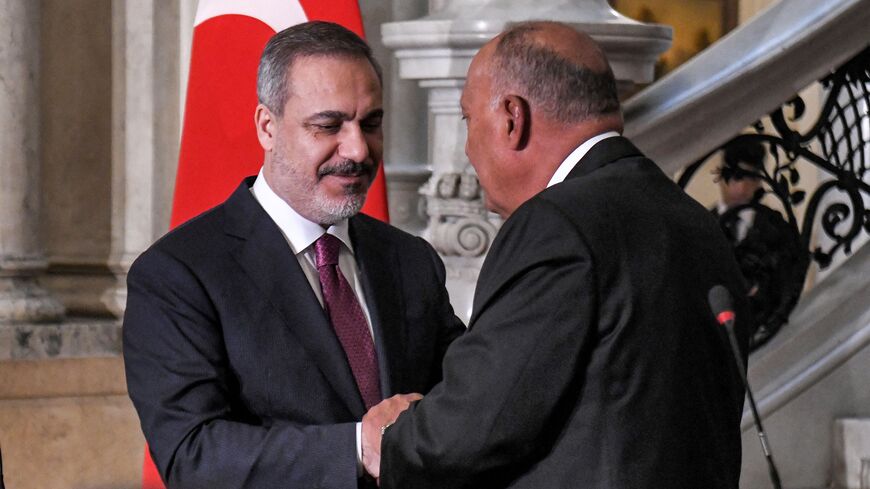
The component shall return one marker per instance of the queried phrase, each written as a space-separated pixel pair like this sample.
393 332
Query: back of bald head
561 72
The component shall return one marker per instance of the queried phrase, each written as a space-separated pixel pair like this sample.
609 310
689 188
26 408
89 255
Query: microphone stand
738 360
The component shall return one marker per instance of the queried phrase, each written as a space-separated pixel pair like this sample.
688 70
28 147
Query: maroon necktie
348 320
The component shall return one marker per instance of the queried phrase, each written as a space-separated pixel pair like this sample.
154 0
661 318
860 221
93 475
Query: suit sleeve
182 385
450 327
509 380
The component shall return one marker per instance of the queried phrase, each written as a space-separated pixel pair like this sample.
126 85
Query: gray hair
301 40
563 89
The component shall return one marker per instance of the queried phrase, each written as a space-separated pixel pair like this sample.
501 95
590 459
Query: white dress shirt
301 234
745 219
572 159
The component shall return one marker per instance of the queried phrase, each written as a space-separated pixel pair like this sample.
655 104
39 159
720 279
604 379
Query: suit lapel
269 262
378 266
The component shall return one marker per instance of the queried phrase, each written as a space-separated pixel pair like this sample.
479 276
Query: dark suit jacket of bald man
233 366
592 359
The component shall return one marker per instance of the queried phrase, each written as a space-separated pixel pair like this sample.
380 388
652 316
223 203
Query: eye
328 127
371 125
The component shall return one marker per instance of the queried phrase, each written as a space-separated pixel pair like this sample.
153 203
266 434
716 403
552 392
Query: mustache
347 168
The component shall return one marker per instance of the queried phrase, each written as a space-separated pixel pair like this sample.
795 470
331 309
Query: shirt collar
722 208
297 230
572 159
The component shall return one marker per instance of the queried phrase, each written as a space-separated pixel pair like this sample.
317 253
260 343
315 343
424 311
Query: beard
354 197
330 211
307 198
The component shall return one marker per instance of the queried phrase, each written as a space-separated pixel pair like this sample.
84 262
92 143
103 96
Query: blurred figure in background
767 248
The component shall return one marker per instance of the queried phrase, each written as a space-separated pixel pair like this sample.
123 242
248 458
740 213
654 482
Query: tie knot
326 250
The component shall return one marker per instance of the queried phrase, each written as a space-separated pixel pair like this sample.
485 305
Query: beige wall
68 424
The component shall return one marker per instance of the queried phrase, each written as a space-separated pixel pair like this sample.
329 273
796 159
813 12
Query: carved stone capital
459 225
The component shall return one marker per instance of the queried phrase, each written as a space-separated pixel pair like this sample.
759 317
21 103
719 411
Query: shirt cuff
359 465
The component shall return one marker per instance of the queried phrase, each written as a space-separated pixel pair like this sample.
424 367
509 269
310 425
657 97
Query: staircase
817 368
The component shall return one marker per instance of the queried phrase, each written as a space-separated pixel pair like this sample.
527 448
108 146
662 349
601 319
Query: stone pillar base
71 338
23 300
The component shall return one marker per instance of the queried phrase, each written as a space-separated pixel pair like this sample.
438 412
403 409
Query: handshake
375 423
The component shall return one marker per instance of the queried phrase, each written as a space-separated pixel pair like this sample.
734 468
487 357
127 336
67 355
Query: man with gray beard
259 333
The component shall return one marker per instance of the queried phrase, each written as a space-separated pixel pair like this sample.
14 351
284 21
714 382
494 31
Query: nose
353 144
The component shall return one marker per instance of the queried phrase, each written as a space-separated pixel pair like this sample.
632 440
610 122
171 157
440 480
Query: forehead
474 81
328 80
481 68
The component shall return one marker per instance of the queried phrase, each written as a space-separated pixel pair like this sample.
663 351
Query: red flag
219 143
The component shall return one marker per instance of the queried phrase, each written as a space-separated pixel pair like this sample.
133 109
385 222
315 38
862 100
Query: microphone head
720 303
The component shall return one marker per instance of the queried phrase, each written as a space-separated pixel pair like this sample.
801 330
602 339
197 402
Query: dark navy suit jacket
233 367
592 359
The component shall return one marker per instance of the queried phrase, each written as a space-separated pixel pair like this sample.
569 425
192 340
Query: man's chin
336 209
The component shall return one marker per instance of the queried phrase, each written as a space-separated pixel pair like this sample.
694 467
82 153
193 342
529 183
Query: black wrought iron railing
836 212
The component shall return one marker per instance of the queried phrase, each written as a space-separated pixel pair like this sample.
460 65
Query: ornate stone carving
458 223
436 50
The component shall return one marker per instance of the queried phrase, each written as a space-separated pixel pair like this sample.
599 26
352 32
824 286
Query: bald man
592 359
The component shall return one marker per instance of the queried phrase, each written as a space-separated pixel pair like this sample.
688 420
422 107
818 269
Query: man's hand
375 422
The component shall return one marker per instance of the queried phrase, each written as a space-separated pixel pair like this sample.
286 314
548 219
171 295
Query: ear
265 121
517 121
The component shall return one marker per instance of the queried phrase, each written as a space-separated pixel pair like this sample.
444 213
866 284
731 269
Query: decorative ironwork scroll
838 143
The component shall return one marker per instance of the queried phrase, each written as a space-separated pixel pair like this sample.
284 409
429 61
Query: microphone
720 303
722 306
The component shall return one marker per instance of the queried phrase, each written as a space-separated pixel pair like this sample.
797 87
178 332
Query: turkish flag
219 143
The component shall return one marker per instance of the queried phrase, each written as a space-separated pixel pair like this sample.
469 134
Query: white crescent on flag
277 14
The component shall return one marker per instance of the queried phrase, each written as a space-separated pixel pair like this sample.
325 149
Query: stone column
436 50
145 130
75 151
22 257
405 122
